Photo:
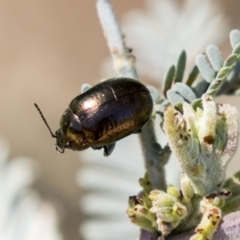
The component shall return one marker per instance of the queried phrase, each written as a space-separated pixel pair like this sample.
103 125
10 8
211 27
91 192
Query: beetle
104 114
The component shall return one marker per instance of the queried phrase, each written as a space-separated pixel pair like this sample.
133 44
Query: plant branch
124 64
124 61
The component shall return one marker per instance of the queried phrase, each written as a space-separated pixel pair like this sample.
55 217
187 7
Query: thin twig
124 64
124 61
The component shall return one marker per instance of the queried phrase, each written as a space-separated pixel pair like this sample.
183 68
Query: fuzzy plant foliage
202 135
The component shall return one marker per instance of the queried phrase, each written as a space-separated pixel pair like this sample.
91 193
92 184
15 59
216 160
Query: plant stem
124 64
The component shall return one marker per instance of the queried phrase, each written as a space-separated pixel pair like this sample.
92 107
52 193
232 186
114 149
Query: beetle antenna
44 120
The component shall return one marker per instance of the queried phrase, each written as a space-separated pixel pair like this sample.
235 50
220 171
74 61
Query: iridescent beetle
104 114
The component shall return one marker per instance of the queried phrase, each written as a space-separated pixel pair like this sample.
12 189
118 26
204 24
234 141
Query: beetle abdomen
112 110
123 120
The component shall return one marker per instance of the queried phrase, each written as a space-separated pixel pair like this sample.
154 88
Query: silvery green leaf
218 81
197 103
222 74
180 67
234 37
236 49
200 88
192 76
205 68
168 79
230 60
185 91
85 87
215 57
154 93
174 97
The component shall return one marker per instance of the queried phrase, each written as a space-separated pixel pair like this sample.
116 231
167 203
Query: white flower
23 215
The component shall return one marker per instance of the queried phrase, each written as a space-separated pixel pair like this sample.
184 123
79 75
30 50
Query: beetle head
71 134
61 142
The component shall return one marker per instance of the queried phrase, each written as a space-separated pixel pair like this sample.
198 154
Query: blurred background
48 49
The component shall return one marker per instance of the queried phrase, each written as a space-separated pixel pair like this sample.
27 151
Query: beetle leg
96 148
138 131
108 149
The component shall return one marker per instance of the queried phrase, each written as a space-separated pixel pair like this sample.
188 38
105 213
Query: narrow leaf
192 76
185 91
180 66
205 68
234 37
215 57
168 79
